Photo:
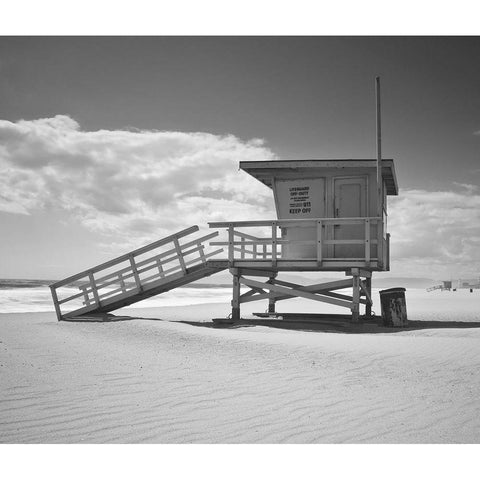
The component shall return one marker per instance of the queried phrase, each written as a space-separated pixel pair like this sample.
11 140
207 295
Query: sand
170 378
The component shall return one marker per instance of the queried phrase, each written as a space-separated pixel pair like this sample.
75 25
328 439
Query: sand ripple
168 382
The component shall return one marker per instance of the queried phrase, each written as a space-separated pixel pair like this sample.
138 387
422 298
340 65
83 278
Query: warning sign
300 198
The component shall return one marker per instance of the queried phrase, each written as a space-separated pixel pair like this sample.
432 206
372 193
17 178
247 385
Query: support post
368 306
272 298
236 296
356 296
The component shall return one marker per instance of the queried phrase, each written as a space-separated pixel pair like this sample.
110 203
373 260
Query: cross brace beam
293 290
317 288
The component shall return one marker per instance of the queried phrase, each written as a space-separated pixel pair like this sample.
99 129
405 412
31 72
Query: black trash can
394 307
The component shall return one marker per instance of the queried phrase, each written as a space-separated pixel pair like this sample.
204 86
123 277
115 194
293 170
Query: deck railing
138 270
268 240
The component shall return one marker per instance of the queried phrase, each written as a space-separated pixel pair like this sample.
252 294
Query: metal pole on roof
379 149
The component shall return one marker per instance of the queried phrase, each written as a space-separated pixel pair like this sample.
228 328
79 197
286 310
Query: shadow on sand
300 322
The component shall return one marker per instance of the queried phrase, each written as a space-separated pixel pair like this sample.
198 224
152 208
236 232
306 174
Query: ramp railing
137 271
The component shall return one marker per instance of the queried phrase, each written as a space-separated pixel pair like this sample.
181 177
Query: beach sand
171 377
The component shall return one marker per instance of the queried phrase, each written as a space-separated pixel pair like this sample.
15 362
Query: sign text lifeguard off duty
299 200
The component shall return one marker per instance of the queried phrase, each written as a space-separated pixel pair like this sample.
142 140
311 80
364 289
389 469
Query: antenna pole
380 225
379 150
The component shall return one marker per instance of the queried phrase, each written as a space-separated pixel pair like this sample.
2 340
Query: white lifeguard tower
330 218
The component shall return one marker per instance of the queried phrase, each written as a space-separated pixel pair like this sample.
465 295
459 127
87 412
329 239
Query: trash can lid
394 289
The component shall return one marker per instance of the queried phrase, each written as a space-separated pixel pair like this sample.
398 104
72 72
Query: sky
108 143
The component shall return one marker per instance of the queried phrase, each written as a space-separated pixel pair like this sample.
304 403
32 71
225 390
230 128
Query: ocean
19 296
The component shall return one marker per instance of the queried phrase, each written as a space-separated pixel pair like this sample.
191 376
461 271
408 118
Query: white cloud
436 234
135 186
128 183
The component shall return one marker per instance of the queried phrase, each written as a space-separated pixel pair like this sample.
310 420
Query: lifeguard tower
331 217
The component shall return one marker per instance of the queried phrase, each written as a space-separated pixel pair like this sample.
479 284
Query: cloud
135 186
128 182
435 234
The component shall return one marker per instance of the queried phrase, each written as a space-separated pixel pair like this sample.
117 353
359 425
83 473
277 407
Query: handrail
161 255
125 257
249 247
128 280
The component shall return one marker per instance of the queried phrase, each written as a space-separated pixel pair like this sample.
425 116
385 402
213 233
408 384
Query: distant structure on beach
454 285
445 285
331 216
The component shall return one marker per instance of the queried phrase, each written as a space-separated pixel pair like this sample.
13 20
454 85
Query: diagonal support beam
252 292
279 297
365 292
335 285
295 292
322 288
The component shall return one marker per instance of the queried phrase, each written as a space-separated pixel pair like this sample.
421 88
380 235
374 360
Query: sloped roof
262 170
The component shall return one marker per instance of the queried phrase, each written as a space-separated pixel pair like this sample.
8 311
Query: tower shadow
297 322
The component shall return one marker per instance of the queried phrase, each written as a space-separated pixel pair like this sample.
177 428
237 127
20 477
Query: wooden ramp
148 271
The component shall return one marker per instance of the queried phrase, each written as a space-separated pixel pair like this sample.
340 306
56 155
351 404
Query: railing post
180 255
319 242
94 288
86 298
230 245
283 232
138 283
122 283
380 243
274 244
387 252
356 296
242 248
55 303
367 242
160 268
201 249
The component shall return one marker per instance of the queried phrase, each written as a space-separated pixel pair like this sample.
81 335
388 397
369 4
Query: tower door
350 202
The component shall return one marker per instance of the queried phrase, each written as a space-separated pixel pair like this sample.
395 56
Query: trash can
394 307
